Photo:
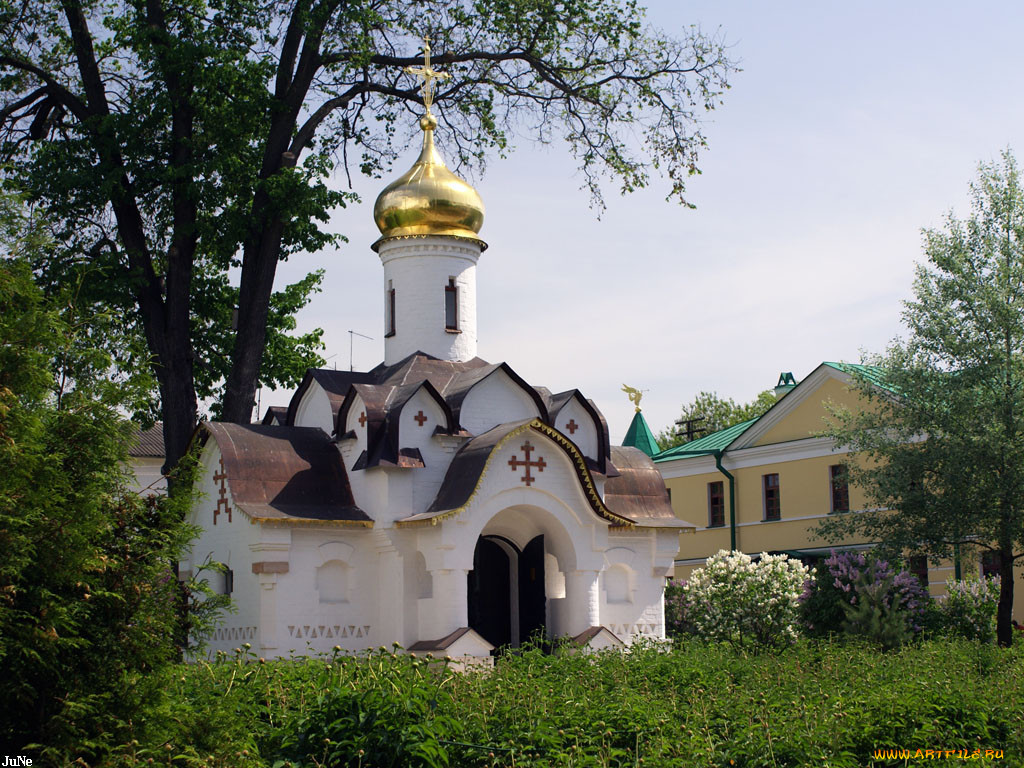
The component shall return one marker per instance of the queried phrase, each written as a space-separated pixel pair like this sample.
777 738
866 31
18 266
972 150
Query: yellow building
763 485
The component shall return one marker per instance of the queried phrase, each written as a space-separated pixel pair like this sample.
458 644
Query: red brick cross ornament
539 463
572 426
420 418
223 506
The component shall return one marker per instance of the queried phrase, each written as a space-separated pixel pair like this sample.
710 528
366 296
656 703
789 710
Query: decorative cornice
270 566
308 521
384 240
579 462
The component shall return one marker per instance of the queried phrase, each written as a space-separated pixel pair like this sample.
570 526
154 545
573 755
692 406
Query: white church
438 501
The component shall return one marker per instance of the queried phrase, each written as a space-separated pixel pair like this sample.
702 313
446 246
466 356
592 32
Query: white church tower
437 501
429 219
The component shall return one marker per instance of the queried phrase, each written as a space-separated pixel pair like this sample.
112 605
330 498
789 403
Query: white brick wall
418 269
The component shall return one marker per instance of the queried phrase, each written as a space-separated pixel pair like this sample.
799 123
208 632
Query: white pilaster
583 596
450 607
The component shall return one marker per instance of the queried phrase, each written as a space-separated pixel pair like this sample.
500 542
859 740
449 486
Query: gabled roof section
334 383
276 415
419 366
793 400
639 492
872 373
639 436
460 385
716 441
284 474
147 443
472 461
384 406
601 462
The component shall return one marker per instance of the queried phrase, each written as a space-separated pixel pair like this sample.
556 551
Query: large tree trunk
263 242
1004 613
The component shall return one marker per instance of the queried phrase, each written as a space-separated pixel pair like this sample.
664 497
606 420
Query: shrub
744 602
864 595
87 596
677 623
969 609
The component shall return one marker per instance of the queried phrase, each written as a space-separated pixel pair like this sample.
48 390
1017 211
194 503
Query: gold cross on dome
428 75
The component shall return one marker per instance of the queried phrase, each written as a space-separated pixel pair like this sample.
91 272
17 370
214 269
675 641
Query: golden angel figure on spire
634 395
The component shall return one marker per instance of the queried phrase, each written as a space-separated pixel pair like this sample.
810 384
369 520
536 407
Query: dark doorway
490 594
531 589
506 590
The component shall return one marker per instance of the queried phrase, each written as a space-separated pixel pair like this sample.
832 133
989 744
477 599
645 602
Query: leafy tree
943 436
709 413
87 596
175 141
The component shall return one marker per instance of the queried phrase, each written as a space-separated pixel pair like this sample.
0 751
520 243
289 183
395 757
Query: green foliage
708 706
717 414
874 615
862 595
821 610
969 610
365 723
87 595
677 610
943 438
178 146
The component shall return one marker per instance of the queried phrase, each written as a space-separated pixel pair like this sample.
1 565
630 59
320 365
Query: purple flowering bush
865 595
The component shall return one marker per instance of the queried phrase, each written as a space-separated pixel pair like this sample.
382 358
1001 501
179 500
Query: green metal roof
872 373
716 441
639 435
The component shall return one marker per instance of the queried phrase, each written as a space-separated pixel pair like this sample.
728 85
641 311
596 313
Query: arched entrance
505 590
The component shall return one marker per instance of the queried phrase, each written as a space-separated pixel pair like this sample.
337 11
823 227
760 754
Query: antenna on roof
351 338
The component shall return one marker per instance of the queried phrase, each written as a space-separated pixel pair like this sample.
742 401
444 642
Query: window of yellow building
716 504
919 567
772 500
990 564
840 488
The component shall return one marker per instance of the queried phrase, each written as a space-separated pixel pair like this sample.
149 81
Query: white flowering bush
735 599
969 609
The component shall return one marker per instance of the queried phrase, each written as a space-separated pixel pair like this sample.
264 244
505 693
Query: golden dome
428 199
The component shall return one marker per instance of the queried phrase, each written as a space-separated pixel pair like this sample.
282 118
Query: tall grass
816 704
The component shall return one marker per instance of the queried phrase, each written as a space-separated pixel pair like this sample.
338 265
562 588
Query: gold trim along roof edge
305 521
582 471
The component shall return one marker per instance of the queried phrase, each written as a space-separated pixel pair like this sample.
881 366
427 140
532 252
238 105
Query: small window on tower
389 310
451 305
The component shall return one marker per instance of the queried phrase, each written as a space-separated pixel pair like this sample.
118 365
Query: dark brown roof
459 386
334 383
386 389
147 443
418 366
590 633
276 414
639 491
283 473
443 644
384 404
467 467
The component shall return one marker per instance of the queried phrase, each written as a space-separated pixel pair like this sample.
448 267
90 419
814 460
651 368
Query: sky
850 128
